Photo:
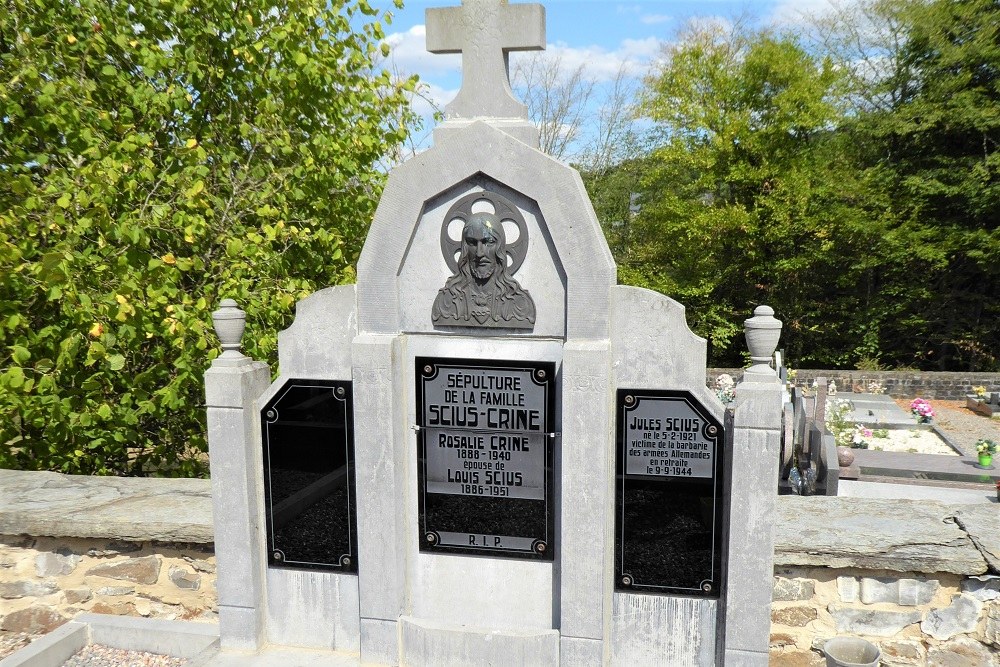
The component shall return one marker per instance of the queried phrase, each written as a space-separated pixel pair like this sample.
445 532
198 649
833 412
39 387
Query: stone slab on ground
877 411
818 530
840 532
966 496
52 504
933 466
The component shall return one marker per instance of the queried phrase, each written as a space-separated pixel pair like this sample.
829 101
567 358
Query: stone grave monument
486 451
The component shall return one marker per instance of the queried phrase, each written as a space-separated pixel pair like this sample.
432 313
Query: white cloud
409 54
601 64
653 19
439 73
798 13
431 98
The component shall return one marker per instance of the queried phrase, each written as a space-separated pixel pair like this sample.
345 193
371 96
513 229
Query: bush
155 157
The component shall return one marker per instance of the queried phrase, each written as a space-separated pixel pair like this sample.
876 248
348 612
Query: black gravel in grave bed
321 534
286 482
513 517
667 536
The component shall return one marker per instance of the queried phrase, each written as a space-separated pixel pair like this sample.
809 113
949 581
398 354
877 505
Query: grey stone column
585 526
379 462
232 384
746 606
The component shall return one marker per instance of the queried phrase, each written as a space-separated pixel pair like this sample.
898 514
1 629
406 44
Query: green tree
156 156
748 199
932 153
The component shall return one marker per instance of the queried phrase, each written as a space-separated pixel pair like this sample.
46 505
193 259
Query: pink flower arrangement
862 434
922 410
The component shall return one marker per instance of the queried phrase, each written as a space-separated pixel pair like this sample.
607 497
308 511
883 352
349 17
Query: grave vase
985 460
762 332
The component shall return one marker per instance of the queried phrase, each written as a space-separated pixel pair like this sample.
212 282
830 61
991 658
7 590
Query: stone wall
919 578
915 618
899 384
45 581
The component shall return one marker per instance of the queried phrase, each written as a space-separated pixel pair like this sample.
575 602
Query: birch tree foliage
157 156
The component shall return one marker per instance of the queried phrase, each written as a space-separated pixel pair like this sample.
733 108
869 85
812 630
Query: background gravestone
486 267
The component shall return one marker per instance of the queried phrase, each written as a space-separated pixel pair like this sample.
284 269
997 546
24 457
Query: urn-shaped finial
229 322
762 333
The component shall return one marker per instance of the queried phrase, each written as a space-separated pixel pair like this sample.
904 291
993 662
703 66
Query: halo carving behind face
502 208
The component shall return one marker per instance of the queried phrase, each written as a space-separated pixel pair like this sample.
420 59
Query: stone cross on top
485 32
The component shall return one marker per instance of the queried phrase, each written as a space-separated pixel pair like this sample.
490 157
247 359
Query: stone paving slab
124 508
920 536
982 523
983 495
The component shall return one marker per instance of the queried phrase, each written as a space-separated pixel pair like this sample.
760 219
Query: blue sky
599 34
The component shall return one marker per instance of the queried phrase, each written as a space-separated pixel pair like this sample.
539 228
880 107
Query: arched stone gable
557 189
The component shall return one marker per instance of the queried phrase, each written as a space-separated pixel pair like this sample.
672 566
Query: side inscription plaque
484 438
309 495
668 533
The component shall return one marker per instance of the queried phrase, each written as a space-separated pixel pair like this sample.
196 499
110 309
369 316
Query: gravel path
12 641
96 655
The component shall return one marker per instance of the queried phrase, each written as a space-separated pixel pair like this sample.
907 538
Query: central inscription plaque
484 436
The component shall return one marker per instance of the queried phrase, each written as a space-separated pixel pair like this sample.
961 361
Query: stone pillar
232 384
585 529
379 445
746 607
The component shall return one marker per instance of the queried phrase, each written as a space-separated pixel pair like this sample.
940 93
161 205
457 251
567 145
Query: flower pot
851 652
985 460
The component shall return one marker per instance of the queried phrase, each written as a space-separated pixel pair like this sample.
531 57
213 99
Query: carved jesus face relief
482 292
483 246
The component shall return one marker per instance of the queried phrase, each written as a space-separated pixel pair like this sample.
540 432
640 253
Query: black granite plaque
485 432
309 495
668 532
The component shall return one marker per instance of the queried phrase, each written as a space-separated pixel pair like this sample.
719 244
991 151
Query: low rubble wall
919 578
898 384
46 581
107 545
